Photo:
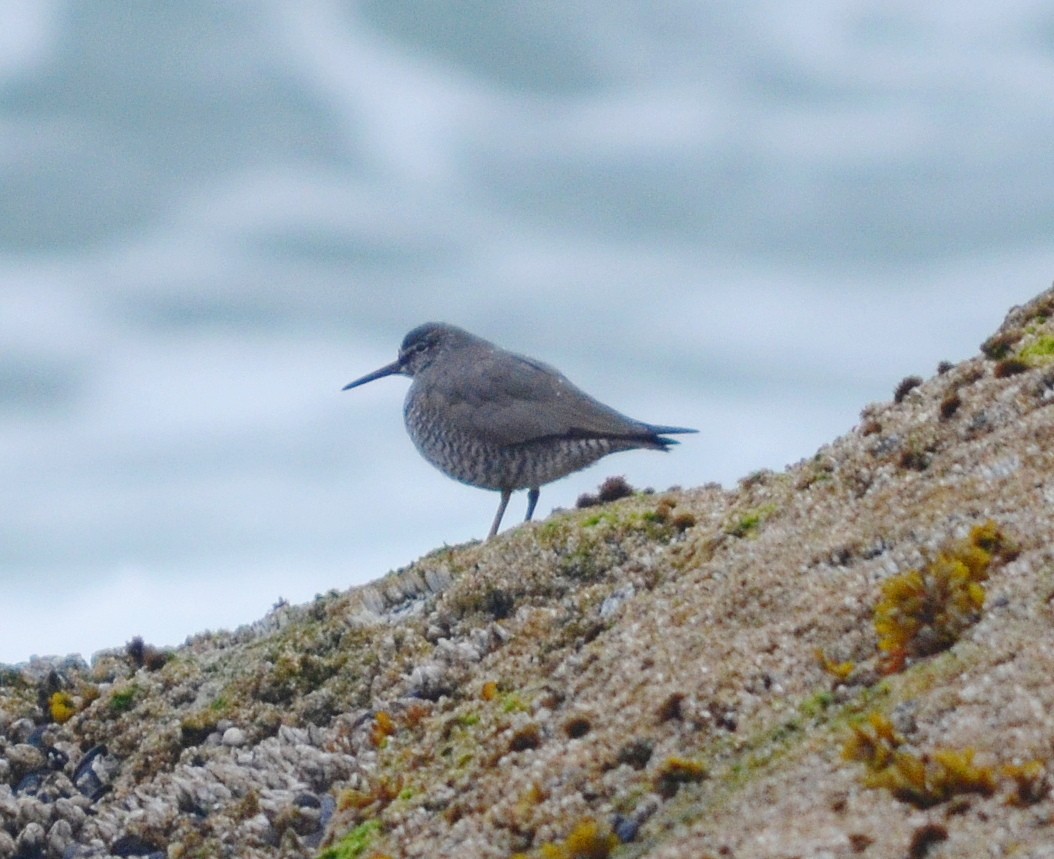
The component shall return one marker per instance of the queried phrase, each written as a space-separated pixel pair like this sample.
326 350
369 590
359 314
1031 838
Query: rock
59 838
68 810
31 840
234 737
32 810
23 759
555 728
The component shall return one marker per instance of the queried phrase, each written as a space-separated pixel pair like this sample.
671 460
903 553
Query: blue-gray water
749 217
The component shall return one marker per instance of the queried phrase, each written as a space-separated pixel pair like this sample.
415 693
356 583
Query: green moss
780 735
123 700
756 753
612 524
749 523
816 704
553 530
1040 351
355 843
513 703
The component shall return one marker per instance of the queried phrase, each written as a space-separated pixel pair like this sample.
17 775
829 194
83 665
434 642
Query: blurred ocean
749 217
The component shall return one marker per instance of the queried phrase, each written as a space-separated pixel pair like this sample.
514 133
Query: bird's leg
532 499
506 494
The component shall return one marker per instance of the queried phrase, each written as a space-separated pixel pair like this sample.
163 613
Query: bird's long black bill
661 430
387 370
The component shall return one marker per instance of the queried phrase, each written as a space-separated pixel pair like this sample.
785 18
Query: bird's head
419 349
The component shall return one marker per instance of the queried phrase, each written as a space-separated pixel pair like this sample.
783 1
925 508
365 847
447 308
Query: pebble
30 840
24 758
59 837
234 737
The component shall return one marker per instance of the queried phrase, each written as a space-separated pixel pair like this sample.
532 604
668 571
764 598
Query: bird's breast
469 456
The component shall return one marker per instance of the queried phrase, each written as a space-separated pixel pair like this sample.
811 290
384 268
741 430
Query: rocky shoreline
851 657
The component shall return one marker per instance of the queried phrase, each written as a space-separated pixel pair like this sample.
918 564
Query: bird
501 421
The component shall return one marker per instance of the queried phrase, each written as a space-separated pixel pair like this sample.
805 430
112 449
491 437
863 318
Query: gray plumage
501 421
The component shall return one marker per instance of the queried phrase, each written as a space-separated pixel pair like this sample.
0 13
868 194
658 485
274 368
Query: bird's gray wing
507 399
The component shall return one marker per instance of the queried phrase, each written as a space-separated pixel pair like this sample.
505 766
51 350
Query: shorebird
502 421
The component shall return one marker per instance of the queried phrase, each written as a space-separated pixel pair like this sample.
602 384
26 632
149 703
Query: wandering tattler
501 421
